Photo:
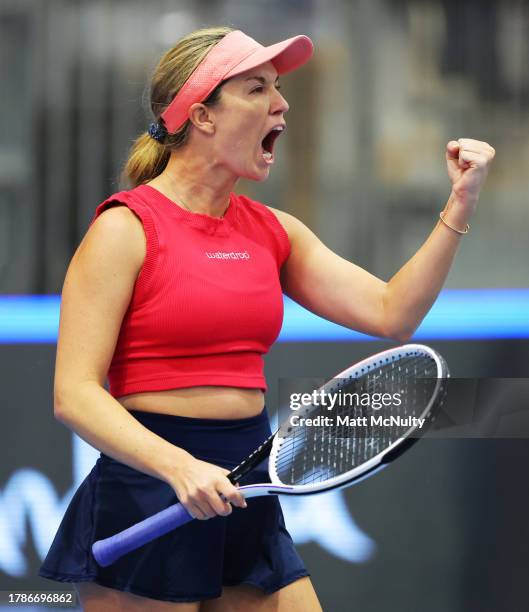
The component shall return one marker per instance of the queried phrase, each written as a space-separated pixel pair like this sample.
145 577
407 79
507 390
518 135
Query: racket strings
371 441
315 453
369 444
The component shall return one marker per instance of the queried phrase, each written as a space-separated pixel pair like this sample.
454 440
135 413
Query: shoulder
288 221
116 231
116 215
126 210
126 200
299 235
265 212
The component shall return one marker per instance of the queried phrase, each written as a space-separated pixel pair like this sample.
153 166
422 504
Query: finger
201 499
471 158
207 508
489 151
196 513
452 149
216 503
193 508
478 146
231 494
482 151
472 142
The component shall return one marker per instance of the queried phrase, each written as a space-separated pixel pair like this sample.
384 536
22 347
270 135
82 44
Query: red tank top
207 303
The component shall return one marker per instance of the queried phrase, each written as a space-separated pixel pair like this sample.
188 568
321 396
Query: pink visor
232 55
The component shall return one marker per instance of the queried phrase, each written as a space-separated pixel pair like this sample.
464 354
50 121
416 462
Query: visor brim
286 56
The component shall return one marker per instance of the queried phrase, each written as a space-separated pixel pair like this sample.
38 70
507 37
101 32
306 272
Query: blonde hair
147 157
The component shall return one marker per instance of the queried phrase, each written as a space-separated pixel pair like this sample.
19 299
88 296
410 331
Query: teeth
267 155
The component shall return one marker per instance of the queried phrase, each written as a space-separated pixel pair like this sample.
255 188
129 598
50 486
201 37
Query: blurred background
362 163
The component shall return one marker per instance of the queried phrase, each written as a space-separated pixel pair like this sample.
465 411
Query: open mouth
268 142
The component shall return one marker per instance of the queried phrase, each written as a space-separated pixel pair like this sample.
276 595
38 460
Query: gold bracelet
465 231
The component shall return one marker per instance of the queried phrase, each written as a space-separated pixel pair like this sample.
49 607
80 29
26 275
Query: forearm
90 411
410 293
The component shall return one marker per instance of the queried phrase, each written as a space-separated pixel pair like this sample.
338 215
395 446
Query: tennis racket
309 455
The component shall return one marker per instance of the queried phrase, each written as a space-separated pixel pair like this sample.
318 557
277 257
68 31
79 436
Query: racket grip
110 549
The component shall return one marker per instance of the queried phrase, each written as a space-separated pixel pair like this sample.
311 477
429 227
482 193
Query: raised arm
340 291
96 294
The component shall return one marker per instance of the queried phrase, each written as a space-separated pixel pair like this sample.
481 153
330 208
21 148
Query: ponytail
147 159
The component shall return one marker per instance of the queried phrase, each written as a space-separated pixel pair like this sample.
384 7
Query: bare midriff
198 402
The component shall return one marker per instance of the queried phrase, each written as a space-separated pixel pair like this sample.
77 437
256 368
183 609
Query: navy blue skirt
250 546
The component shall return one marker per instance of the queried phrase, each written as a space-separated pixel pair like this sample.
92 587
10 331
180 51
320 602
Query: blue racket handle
111 549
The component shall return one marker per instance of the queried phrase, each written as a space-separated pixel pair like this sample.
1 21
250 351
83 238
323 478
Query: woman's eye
260 88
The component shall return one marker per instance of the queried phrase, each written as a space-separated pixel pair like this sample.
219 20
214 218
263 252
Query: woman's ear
200 116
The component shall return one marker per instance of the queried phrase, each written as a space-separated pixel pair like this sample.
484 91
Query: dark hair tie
157 131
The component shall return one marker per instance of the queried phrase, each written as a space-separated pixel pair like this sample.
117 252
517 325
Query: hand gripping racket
382 405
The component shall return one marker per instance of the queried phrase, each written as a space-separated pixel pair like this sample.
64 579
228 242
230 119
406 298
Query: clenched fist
468 163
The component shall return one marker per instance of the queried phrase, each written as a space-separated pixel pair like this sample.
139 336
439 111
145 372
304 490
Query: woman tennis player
175 294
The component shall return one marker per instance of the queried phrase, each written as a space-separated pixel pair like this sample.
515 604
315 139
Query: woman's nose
279 105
